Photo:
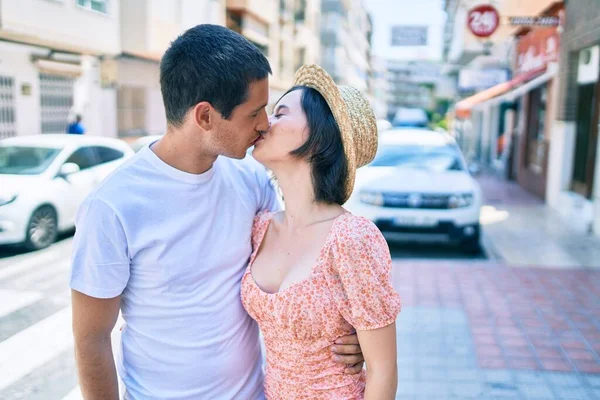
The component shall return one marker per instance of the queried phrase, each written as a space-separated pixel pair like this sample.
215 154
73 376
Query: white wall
596 194
134 25
574 207
459 38
194 12
108 115
149 26
140 73
87 97
156 120
62 24
145 74
15 62
164 24
388 13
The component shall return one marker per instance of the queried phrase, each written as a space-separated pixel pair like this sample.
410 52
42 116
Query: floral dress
349 289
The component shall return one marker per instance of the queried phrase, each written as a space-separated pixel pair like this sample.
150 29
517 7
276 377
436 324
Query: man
166 238
76 128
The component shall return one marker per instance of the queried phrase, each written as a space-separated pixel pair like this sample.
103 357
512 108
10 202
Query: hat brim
317 78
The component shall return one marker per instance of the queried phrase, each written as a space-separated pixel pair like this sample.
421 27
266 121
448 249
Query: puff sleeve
359 277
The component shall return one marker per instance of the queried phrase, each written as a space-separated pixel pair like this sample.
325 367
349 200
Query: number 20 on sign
483 20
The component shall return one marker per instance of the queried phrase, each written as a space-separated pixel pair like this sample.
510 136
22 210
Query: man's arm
93 322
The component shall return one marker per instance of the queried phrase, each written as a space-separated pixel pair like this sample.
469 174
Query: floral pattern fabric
349 289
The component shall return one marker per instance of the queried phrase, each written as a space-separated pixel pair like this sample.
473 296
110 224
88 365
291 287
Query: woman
318 272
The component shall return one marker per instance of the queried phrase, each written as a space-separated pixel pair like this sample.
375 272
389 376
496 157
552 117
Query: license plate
414 221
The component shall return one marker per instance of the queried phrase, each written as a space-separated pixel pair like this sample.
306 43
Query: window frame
98 155
95 160
88 5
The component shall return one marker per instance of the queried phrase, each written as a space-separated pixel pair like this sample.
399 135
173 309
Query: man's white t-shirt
175 245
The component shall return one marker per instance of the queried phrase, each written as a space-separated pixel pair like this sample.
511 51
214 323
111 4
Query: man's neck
174 150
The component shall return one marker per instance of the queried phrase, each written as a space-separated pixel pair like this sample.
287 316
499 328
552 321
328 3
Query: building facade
50 63
411 84
96 58
345 47
286 31
410 43
507 126
132 79
574 174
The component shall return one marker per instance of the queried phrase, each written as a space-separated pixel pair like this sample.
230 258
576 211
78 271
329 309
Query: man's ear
203 115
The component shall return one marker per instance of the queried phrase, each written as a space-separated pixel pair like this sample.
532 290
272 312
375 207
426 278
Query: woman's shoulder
356 226
259 226
263 218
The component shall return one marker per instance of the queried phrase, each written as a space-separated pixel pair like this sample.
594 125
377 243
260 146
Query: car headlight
460 200
372 198
7 198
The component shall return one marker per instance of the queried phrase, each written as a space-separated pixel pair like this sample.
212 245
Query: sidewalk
486 332
523 325
522 231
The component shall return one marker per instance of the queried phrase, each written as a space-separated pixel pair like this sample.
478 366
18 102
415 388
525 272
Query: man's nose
265 127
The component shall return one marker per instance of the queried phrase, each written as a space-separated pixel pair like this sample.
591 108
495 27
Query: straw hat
353 114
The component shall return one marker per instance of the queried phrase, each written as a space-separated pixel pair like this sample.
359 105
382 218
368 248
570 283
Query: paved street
483 332
36 344
479 327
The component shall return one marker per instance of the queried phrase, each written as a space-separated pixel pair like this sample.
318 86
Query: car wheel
472 244
42 228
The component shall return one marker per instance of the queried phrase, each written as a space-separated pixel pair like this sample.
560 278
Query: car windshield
23 160
410 117
433 158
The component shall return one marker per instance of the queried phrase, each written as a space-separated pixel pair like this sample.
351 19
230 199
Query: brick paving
523 325
481 331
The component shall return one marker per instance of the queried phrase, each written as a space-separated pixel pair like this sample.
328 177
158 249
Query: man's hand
346 350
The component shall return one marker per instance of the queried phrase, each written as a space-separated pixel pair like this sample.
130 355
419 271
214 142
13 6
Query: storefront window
536 132
586 137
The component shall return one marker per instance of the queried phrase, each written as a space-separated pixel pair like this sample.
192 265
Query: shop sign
536 49
483 20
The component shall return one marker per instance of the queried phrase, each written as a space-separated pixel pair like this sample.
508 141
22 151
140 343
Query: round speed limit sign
483 20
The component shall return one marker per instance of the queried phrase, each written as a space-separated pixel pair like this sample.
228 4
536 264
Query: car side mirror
68 169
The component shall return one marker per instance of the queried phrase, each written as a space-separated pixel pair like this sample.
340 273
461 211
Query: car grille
416 200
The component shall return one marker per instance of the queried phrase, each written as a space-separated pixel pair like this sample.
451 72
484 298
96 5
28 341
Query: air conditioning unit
589 65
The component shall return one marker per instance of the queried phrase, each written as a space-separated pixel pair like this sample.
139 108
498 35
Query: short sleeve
259 227
270 199
359 276
100 260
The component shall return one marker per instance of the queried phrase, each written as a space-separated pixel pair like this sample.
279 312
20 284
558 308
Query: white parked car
45 178
383 125
418 188
144 141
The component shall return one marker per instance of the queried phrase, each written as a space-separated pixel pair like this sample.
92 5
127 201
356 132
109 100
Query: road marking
35 346
62 278
12 300
28 264
31 280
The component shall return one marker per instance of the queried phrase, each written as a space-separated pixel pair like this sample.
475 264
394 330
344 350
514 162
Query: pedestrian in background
76 128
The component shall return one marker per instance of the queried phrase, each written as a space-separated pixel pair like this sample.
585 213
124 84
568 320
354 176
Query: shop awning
464 107
519 91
